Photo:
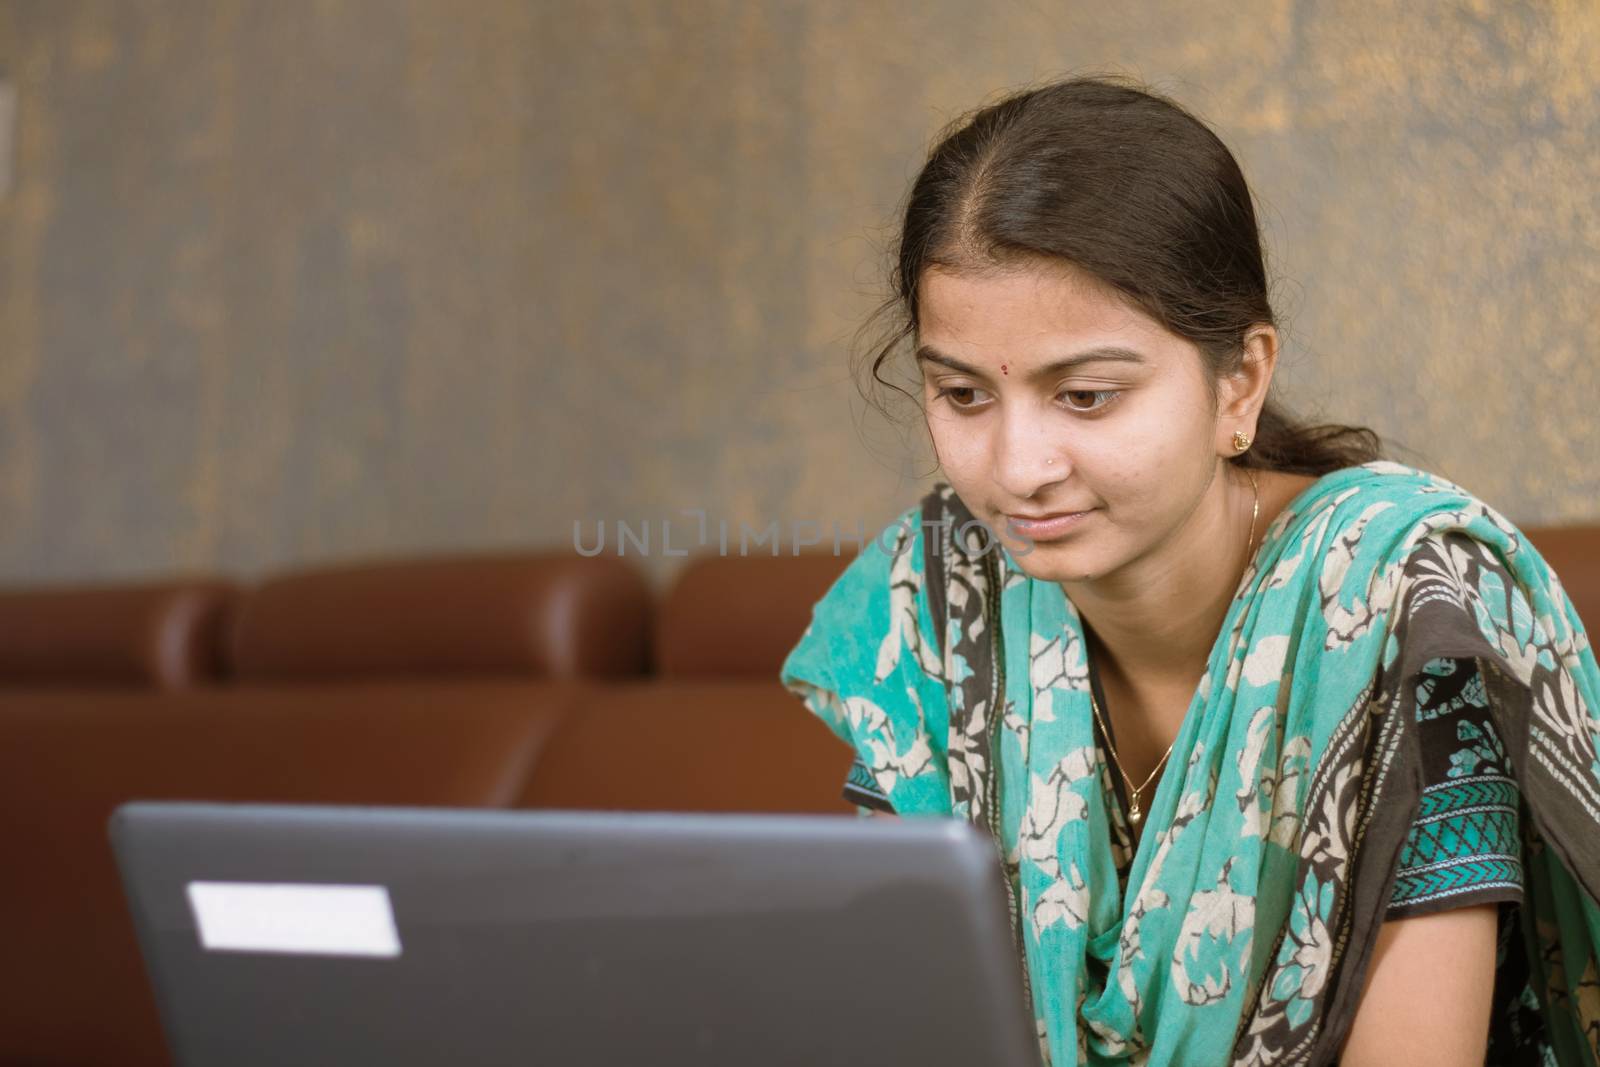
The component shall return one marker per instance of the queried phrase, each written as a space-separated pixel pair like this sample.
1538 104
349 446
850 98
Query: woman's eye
1084 401
1094 398
956 394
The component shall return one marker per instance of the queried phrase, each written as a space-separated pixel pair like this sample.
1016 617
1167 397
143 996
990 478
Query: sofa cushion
72 984
691 746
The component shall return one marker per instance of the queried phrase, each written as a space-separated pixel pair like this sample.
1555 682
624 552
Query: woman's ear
1240 395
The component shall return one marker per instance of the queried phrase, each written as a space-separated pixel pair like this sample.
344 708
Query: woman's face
1029 415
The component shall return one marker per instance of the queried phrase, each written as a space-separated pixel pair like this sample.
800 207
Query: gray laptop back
279 934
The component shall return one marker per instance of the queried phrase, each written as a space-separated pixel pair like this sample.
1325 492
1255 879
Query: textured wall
285 281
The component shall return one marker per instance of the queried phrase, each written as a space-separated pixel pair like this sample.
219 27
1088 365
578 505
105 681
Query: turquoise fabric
1465 844
1250 904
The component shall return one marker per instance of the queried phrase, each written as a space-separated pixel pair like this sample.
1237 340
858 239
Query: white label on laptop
324 920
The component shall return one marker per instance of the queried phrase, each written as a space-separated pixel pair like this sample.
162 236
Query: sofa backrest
530 616
149 635
738 616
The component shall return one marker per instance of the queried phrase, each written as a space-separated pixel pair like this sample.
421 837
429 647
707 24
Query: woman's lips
1047 529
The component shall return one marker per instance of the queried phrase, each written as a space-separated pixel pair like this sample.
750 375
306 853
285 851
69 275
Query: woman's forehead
1029 309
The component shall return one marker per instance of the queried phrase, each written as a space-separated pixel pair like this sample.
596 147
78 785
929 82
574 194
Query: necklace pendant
1135 815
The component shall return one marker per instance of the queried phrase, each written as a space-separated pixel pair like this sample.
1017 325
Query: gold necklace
1135 812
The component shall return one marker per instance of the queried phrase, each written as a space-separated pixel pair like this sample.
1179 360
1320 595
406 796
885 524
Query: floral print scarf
1268 858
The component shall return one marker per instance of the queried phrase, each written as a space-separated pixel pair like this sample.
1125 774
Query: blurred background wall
285 281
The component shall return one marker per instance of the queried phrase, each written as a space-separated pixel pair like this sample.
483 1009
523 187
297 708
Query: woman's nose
1026 462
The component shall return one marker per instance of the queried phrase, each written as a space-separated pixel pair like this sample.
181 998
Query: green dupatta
1269 853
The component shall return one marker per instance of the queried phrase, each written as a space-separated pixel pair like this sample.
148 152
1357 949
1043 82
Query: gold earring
1241 440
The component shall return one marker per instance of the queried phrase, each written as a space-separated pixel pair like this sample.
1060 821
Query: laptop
278 934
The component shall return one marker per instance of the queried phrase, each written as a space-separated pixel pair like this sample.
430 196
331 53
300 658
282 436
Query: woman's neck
1157 619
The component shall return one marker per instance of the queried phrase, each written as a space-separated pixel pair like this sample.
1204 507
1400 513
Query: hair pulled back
1119 182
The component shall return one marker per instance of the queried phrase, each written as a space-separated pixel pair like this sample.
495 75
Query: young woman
1288 749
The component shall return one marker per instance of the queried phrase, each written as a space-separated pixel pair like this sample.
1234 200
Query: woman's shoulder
1350 491
1474 586
1381 512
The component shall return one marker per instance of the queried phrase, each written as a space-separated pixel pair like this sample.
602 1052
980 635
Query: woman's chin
1048 562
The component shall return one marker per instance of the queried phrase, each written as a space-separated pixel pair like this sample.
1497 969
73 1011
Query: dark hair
1124 184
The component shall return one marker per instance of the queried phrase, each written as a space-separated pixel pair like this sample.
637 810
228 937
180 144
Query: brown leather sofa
533 681
517 681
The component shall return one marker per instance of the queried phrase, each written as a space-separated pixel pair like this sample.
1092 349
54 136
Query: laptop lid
306 934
